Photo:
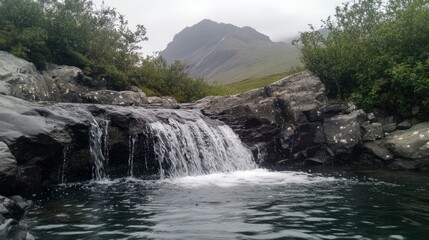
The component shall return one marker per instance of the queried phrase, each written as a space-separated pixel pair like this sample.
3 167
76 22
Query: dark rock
343 133
377 149
280 119
13 230
10 209
23 204
8 166
400 164
415 110
391 119
389 127
372 131
404 125
371 117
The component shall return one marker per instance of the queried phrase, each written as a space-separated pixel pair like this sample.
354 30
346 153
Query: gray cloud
276 18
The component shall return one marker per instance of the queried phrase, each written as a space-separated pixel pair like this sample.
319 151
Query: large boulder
21 79
411 146
343 134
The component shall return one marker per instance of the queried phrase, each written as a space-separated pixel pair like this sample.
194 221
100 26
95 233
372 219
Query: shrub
376 54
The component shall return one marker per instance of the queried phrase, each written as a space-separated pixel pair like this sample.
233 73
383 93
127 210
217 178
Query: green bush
376 54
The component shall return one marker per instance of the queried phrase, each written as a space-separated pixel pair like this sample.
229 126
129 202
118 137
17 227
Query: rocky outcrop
21 79
12 211
123 98
282 122
54 143
292 122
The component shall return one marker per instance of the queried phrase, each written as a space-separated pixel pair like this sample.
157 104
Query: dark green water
253 204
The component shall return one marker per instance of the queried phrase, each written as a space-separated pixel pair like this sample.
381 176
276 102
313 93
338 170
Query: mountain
225 53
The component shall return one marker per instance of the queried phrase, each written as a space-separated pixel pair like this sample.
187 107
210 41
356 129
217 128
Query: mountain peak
210 48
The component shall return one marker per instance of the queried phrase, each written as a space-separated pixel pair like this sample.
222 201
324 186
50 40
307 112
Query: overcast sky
277 19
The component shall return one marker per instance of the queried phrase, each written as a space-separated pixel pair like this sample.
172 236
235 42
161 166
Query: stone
21 79
10 209
343 133
412 143
371 117
372 131
8 165
400 164
377 149
388 128
278 118
164 102
123 98
404 125
13 230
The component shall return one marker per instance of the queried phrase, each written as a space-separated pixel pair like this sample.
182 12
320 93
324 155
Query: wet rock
401 164
372 131
11 213
404 125
277 118
10 209
377 149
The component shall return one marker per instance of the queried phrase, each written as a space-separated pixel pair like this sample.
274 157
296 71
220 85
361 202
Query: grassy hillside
257 82
256 62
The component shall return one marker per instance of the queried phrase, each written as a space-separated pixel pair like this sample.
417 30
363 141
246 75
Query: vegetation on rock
376 54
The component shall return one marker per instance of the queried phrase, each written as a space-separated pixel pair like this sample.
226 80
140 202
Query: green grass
253 83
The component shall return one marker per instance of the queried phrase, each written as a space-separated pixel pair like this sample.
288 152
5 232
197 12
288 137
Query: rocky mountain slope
225 53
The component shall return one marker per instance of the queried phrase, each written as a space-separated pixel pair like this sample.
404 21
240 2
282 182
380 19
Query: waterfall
106 141
196 148
95 146
132 141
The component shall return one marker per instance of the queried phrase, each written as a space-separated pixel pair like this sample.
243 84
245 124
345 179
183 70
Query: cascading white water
106 141
194 148
95 146
131 144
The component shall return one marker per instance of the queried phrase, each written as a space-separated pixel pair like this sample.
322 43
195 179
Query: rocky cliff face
292 122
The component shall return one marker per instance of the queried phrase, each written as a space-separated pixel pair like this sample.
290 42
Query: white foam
249 177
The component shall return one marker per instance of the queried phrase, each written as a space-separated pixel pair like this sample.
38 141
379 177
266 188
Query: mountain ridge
225 53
